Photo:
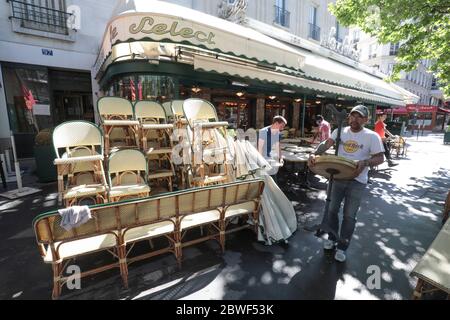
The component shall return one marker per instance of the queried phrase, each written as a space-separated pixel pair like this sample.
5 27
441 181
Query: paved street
396 224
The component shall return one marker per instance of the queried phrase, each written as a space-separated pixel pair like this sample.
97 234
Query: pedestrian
269 144
323 130
380 128
365 147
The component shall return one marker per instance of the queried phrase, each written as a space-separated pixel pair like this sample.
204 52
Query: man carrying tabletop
363 146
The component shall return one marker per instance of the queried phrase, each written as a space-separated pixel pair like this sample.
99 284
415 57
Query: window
314 30
281 14
356 35
338 31
373 51
391 68
394 49
42 15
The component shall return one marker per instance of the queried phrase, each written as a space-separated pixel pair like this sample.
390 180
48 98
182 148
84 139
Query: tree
422 27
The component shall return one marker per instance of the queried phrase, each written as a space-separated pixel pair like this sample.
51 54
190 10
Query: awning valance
152 20
245 71
334 72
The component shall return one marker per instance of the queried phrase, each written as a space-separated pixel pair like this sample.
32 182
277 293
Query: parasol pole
16 163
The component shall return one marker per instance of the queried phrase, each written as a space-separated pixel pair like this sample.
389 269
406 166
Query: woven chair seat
66 160
213 179
148 231
84 190
206 217
211 124
82 246
153 151
161 174
124 190
121 122
198 219
157 126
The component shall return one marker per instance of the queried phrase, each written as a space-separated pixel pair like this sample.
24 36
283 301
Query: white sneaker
340 255
328 244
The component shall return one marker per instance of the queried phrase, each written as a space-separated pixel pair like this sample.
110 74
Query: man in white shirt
365 147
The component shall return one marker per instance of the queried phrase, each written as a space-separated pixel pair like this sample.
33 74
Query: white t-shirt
359 146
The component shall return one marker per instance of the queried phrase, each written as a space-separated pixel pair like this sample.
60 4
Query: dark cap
362 110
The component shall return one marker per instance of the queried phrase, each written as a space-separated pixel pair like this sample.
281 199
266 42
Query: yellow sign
147 26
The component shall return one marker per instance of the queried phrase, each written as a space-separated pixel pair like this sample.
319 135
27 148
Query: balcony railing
282 16
314 32
40 18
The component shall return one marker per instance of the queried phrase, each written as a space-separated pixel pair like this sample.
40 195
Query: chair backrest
114 108
168 109
120 215
149 111
125 165
73 134
199 110
177 108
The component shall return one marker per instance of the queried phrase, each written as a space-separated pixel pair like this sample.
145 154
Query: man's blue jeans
351 191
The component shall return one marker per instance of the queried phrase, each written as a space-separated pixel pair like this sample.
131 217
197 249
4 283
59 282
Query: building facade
47 50
428 111
252 59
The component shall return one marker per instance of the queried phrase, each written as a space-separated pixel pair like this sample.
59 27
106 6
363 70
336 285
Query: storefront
421 116
39 97
169 52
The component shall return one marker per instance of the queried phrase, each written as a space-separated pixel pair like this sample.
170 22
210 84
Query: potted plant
44 154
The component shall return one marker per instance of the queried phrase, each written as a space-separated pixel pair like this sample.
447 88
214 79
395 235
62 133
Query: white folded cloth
75 216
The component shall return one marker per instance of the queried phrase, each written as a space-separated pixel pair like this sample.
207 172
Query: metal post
303 115
16 163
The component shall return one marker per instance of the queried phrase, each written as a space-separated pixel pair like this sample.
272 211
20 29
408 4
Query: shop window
27 98
274 109
236 113
144 87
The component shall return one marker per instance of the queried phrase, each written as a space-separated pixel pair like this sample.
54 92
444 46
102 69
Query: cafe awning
250 72
152 20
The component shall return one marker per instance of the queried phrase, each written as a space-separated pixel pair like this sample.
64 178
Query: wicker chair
208 150
79 157
127 175
119 127
156 141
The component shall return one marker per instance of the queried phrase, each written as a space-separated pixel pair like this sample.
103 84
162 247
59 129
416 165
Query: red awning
444 110
400 111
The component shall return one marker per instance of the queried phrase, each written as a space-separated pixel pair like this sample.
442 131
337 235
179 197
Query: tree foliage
422 27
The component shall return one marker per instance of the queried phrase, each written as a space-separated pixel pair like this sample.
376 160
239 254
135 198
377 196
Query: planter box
45 169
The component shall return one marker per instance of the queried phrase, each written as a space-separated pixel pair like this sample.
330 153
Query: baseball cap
362 110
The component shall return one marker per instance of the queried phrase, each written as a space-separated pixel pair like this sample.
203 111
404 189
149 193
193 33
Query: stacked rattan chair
120 128
156 141
209 146
79 161
127 175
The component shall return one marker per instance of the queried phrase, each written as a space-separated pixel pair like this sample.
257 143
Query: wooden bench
117 227
433 270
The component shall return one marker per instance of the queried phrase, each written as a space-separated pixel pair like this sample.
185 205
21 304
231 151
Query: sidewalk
396 224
